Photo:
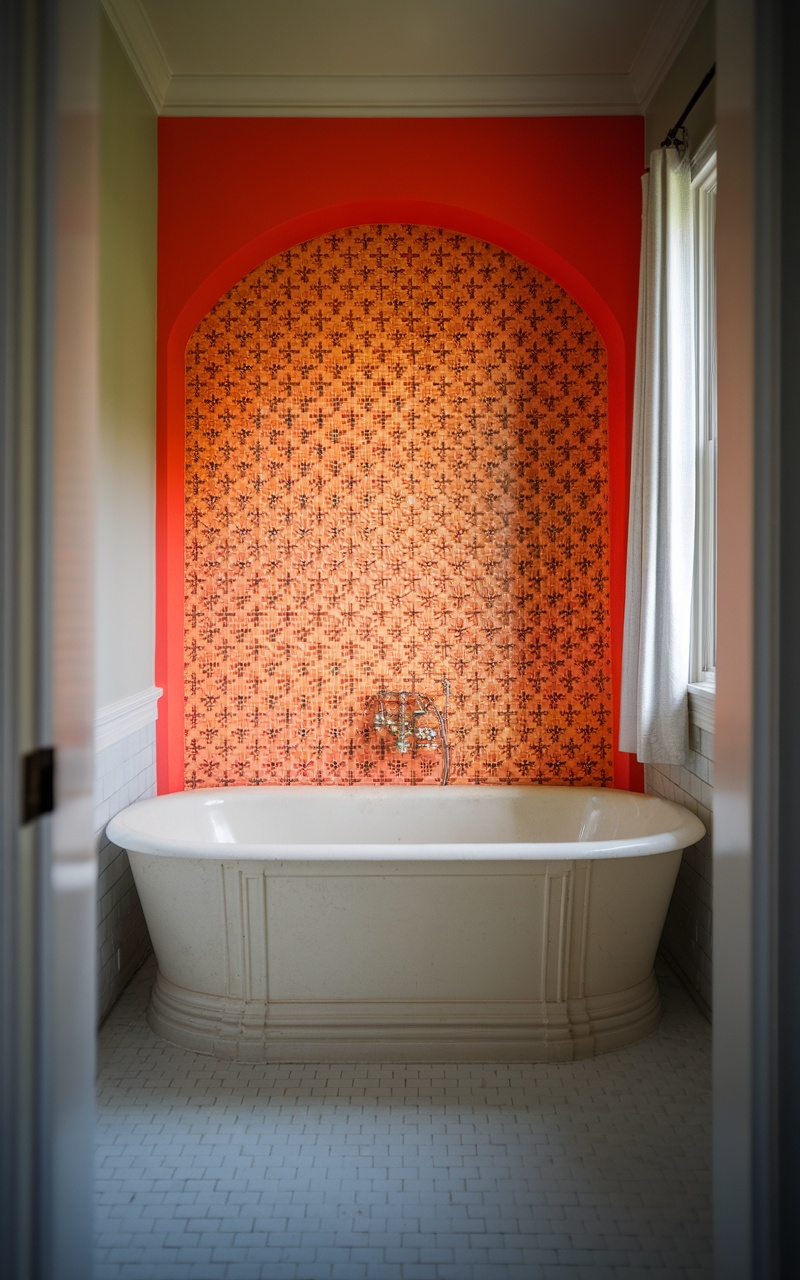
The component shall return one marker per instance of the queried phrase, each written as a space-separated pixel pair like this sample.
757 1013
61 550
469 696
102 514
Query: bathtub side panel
448 936
627 907
184 904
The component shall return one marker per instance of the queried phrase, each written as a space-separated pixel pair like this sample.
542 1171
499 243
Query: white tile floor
219 1171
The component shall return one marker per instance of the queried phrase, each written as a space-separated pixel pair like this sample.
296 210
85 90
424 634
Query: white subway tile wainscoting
590 1170
125 771
686 941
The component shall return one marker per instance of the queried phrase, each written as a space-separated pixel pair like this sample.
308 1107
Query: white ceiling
402 57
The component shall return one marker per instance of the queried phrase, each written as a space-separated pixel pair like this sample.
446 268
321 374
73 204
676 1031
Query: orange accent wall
396 472
562 195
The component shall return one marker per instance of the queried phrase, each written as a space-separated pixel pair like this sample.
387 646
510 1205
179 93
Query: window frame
702 683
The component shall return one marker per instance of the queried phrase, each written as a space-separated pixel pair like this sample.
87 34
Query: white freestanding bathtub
404 923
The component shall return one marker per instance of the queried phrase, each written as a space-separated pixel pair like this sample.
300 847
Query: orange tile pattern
396 472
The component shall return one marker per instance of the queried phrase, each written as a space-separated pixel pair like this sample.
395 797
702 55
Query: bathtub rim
685 832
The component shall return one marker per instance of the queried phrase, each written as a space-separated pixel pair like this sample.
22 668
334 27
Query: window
704 604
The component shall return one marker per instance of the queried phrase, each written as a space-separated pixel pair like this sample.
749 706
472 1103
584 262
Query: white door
48 231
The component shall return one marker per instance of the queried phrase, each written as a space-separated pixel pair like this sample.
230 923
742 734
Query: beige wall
125 542
695 58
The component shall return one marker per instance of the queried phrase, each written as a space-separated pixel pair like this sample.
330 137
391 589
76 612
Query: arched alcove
396 472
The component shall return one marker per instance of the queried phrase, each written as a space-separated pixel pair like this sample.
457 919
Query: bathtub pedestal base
402 1030
413 960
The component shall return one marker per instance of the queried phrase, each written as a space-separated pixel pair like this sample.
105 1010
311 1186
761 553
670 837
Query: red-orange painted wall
563 194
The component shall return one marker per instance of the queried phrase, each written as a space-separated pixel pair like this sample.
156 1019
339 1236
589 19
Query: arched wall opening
177 323
396 474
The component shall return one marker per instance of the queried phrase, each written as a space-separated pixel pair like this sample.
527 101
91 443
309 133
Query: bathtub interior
404 817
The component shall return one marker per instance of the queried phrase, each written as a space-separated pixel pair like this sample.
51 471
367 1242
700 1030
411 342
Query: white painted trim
117 720
704 606
662 44
702 698
141 44
72 876
412 95
317 95
704 158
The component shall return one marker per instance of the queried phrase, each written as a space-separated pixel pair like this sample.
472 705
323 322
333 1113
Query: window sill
701 705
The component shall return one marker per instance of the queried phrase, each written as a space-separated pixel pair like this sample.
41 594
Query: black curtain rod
672 137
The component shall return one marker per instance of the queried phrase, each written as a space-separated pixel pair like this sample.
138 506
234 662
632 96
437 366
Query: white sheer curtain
657 637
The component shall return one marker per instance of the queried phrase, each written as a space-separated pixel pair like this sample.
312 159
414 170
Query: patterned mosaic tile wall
396 473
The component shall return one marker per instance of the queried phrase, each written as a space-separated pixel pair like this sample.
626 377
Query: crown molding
410 95
661 46
136 35
413 95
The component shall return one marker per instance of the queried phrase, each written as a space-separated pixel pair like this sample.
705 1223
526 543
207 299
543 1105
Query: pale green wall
695 58
125 543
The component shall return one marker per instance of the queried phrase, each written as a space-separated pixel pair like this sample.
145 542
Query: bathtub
396 924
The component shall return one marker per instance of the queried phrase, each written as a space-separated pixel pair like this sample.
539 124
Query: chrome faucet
402 713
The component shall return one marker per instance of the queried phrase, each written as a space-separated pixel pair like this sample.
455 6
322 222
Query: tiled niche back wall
396 473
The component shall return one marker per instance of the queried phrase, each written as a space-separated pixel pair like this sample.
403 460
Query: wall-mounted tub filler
413 720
